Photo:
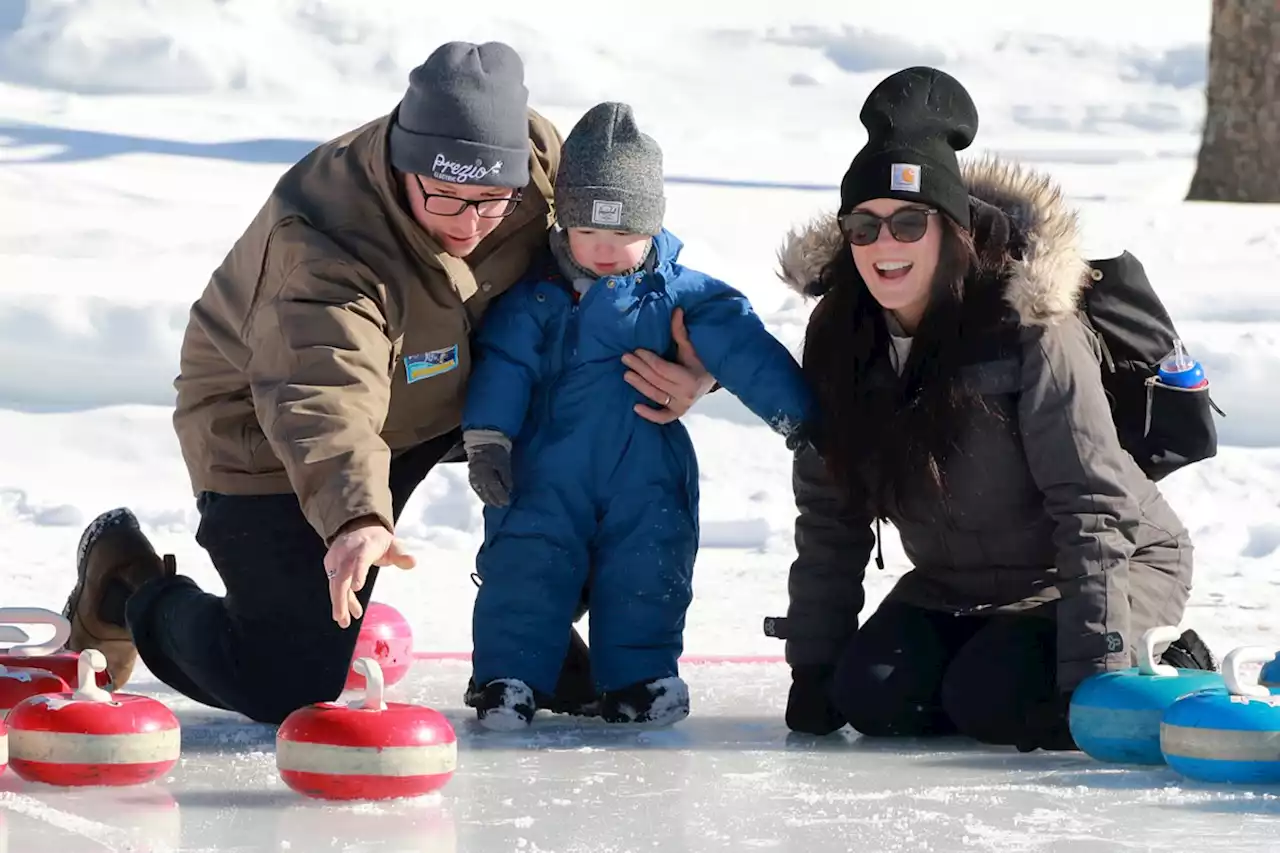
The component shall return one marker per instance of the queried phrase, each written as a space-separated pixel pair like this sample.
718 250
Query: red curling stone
385 636
91 737
62 664
367 749
45 655
19 682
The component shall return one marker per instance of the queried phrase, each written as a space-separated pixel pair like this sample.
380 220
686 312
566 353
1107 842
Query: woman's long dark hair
880 440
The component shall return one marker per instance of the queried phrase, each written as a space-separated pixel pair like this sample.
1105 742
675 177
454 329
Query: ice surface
730 778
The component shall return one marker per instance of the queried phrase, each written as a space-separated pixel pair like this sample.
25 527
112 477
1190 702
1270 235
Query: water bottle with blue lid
1180 370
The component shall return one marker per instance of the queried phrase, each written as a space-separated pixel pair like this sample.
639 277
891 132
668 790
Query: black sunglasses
906 224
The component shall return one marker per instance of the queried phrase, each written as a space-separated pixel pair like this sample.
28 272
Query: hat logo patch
606 212
444 169
904 177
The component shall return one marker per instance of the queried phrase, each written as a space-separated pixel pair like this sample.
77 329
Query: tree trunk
1240 151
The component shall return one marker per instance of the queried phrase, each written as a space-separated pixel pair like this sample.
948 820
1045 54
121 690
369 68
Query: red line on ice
690 660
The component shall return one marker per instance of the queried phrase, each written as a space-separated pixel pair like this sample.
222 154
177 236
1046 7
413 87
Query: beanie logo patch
444 169
606 212
904 177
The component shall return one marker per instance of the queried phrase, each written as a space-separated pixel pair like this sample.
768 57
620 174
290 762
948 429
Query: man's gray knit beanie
465 118
610 174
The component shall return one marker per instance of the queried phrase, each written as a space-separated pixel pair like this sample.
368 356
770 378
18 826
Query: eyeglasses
451 205
906 224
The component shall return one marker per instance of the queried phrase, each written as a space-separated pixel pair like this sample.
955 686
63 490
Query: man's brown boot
114 559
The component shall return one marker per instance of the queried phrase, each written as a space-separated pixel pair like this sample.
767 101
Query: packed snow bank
263 46
790 62
89 351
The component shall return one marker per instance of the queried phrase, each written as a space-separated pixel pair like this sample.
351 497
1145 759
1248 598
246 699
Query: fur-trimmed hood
1041 286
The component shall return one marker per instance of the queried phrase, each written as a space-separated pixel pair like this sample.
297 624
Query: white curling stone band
300 757
4 750
1220 744
60 748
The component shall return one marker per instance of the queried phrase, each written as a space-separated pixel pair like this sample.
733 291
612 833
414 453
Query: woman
962 401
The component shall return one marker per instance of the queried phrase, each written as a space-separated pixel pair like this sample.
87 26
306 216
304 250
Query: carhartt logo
606 212
904 177
444 169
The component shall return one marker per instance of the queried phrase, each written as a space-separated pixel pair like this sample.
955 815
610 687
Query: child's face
605 252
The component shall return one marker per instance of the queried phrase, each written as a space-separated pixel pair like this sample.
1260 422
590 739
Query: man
322 377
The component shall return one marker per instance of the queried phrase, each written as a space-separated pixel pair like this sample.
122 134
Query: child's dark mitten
489 472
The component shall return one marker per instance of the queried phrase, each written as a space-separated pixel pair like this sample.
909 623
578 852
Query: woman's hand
673 385
809 707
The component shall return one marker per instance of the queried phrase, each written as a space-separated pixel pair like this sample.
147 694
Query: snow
138 138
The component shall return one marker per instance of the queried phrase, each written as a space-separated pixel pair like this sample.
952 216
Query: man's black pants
916 673
270 646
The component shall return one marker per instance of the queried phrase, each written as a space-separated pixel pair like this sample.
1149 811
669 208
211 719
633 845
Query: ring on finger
330 573
668 403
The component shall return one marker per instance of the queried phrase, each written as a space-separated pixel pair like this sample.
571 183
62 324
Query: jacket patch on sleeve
428 364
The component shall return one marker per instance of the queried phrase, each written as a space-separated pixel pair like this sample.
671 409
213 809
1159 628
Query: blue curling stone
1115 716
1229 734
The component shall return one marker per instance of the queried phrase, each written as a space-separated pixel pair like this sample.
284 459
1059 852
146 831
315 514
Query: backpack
1162 427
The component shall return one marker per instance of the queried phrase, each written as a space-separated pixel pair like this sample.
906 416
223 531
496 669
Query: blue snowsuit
599 494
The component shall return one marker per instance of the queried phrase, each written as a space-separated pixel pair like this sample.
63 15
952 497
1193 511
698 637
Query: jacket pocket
259 457
1179 427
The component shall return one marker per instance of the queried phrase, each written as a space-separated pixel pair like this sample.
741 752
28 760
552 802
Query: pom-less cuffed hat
610 174
464 118
916 120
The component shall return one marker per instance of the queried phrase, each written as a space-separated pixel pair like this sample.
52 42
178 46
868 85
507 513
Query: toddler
582 493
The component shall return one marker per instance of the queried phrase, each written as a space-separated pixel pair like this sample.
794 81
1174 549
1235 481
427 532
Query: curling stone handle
88 665
1242 656
37 616
1147 650
374 686
13 634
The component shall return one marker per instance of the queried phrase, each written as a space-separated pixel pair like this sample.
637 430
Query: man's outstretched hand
673 385
362 545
